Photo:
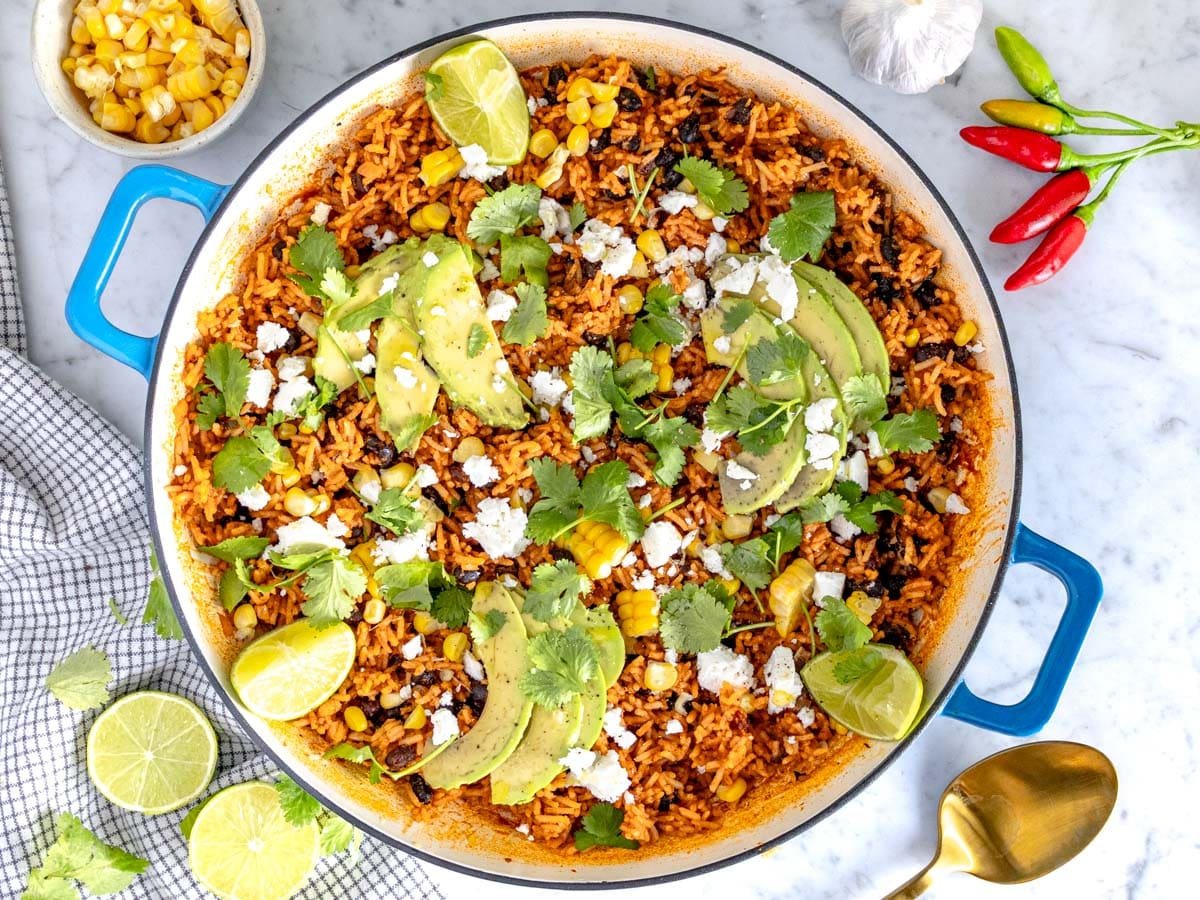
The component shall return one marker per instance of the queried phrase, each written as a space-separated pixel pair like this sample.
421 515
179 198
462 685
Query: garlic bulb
909 45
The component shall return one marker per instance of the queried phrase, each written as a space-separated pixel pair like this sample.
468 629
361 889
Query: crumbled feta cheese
780 285
472 666
818 415
271 336
412 648
335 526
711 440
643 582
681 385
829 584
695 296
977 347
682 257
955 505
366 365
911 485
254 498
614 727
500 306
603 775
481 470
446 699
526 496
711 557
548 388
723 344
388 284
379 241
370 491
445 726
588 454
671 655
488 271
722 666
843 528
405 377
180 470
498 528
660 542
555 218
258 390
739 279
635 480
784 686
673 726
304 534
291 367
740 473
425 476
607 245
578 759
874 447
475 164
320 213
715 247
429 258
719 222
674 202
645 500
403 549
821 448
499 384
956 425
806 715
854 468
531 105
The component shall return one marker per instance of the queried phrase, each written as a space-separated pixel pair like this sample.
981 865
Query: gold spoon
1020 814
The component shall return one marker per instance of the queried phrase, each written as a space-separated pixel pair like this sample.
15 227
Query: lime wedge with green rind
242 848
883 704
292 670
151 752
476 97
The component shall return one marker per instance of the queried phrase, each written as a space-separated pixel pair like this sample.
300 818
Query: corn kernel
554 168
114 25
245 618
732 791
362 554
467 448
93 20
158 57
191 84
116 117
241 43
702 211
602 114
639 269
966 333
201 116
437 216
637 612
732 585
542 143
732 246
577 140
454 646
137 36
736 527
390 699
911 337
707 461
323 503
230 88
356 719
579 112
938 497
603 92
373 588
660 676
650 242
886 465
789 594
398 476
68 65
108 49
625 352
298 503
666 377
440 166
862 605
630 299
373 611
416 719
215 106
424 623
579 89
236 73
79 32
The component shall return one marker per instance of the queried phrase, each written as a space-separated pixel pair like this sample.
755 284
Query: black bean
292 342
399 757
689 129
277 250
925 293
421 788
603 140
628 100
241 514
588 268
816 154
884 289
556 76
359 185
456 706
371 708
895 635
870 588
940 349
666 161
446 509
892 582
634 144
468 576
596 339
740 113
695 414
949 394
887 248
355 617
614 195
385 451
426 678
477 698
944 449
558 553
664 803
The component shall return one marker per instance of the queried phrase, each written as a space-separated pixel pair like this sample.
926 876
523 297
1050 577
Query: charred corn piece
597 548
863 605
637 613
440 166
789 592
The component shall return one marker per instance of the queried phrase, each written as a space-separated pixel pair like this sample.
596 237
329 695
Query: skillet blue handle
1084 590
84 314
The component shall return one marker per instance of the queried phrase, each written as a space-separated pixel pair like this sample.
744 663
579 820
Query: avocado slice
602 628
405 407
506 714
447 310
535 762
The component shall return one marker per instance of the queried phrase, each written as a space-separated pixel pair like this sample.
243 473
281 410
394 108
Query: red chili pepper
1053 252
1049 204
1030 149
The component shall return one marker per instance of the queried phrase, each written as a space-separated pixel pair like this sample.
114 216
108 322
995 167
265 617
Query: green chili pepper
1030 67
1029 114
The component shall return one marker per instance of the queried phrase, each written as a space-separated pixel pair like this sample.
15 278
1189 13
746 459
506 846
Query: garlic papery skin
909 45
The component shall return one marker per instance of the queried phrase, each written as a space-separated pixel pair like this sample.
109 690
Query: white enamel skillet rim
236 212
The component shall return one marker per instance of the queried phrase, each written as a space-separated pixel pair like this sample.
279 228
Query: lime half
292 670
882 704
477 98
242 848
151 752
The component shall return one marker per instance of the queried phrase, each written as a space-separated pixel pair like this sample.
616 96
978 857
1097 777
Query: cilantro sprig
720 189
159 612
245 459
397 511
314 254
774 361
805 227
847 637
555 590
424 585
639 193
78 855
565 501
693 618
848 500
524 256
601 827
914 432
760 422
332 582
229 371
864 399
299 808
658 323
80 680
528 321
504 213
563 662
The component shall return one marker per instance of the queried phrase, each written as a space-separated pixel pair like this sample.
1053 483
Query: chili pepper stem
1144 127
1071 159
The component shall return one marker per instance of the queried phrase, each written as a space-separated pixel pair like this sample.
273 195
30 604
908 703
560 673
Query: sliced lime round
476 97
882 704
292 670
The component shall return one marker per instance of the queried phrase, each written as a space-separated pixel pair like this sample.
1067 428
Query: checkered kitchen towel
73 539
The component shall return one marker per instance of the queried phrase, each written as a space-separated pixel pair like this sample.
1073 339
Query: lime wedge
242 848
292 670
882 704
477 98
151 752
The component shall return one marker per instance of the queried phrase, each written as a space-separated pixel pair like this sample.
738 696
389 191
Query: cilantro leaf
80 680
452 606
503 213
602 828
557 510
209 408
484 627
79 855
862 513
591 369
855 664
232 549
232 588
577 214
332 587
408 585
361 318
434 86
785 535
563 663
909 432
865 399
770 362
528 321
669 438
605 498
839 628
337 288
720 189
239 465
737 315
314 253
693 618
299 807
159 611
555 590
358 754
824 508
749 561
636 378
477 339
658 323
189 820
397 511
760 423
337 834
847 499
526 255
312 408
805 227
229 371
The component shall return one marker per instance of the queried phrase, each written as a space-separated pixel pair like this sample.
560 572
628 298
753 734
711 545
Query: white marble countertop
1107 356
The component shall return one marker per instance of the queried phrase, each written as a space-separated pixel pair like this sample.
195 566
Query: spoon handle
917 885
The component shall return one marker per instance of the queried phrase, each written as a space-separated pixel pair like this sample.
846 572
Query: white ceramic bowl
50 42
